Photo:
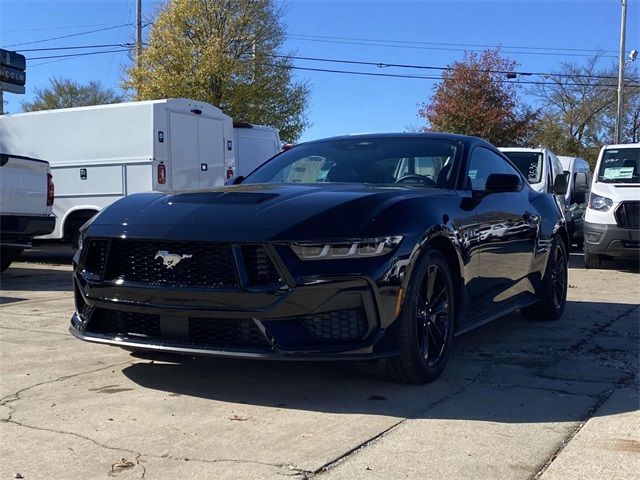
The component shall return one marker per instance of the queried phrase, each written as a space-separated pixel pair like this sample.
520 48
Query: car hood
258 212
618 192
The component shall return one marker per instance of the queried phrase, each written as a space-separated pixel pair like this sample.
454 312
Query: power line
69 36
77 47
71 55
430 67
352 62
521 47
62 27
421 47
423 77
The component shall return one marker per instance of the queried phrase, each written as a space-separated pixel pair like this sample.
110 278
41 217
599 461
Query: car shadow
512 370
18 278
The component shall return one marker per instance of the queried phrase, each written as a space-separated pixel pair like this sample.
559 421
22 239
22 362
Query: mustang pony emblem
170 260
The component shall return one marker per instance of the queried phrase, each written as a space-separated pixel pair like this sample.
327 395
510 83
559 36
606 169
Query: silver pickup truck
26 199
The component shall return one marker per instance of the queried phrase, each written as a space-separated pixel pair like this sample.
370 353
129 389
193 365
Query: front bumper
18 230
611 240
315 314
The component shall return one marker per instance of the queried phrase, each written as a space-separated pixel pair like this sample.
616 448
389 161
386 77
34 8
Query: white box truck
99 154
254 145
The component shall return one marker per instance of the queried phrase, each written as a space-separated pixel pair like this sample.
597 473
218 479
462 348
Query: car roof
466 139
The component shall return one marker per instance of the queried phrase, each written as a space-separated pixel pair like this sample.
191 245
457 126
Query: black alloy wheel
559 277
432 316
426 322
553 289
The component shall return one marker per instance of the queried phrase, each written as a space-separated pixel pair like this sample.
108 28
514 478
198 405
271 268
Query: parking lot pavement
520 399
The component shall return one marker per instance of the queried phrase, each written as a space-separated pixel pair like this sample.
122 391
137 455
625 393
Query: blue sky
372 31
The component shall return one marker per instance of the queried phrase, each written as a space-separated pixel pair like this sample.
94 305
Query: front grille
628 215
194 264
259 267
197 332
348 324
95 257
225 332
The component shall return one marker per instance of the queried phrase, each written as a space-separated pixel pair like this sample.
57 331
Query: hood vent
222 198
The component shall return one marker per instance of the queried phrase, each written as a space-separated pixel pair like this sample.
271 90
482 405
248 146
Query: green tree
227 53
63 93
475 98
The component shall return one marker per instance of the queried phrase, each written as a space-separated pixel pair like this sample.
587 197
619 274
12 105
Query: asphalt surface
520 399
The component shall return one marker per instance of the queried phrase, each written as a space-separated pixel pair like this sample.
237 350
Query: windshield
419 162
529 164
620 166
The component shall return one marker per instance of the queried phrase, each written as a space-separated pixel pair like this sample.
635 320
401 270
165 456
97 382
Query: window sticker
473 174
618 172
305 170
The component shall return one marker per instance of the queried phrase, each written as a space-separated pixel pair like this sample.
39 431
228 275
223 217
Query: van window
620 166
529 164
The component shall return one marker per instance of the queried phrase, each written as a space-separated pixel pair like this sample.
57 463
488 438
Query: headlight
352 248
602 204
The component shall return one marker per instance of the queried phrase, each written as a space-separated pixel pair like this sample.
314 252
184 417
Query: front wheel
592 260
553 291
426 322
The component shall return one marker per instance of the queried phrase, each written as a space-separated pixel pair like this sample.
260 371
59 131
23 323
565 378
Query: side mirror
235 180
503 182
581 182
560 184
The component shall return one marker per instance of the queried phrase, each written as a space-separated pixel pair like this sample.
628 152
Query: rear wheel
592 260
426 322
7 254
553 291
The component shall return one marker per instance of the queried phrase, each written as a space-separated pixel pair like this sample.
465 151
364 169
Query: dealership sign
12 71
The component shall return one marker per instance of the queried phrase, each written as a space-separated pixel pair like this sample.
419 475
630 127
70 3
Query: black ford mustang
354 247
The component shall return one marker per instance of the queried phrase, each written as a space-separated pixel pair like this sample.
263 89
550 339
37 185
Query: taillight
162 174
50 190
229 173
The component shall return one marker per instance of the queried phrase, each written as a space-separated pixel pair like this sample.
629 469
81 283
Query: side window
484 162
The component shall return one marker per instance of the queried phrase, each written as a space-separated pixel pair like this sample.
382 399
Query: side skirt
473 322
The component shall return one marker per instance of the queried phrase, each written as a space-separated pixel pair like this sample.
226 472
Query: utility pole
138 31
1 103
623 26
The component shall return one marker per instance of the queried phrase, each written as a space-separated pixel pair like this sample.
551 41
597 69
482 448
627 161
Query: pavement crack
8 400
140 455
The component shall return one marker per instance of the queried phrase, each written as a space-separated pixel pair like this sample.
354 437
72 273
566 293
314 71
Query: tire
592 260
426 323
553 291
7 254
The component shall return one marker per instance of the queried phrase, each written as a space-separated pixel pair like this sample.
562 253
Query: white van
578 180
254 145
99 154
612 219
544 172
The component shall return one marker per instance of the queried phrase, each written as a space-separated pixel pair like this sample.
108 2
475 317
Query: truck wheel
7 254
592 260
553 291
